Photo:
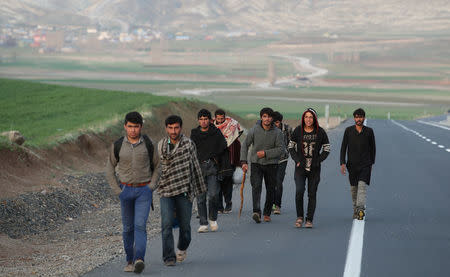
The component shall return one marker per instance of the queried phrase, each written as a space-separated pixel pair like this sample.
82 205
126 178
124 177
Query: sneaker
228 208
213 226
169 263
203 229
277 210
256 217
273 207
139 266
220 212
360 214
181 255
308 224
267 218
129 267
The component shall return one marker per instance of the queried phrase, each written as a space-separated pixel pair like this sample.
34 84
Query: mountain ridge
266 16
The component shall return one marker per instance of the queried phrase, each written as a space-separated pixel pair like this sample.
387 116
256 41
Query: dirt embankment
56 205
25 169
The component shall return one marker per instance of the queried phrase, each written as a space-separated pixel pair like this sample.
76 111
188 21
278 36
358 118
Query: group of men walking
201 167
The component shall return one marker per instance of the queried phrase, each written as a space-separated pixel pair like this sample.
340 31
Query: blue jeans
213 200
181 207
135 205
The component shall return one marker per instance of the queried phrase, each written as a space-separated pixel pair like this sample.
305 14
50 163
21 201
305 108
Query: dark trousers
300 177
182 207
226 191
269 173
281 172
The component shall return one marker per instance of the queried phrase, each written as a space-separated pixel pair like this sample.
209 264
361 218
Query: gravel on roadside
65 231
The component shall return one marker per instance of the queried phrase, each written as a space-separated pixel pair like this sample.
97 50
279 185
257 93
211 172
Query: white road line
420 135
354 251
434 124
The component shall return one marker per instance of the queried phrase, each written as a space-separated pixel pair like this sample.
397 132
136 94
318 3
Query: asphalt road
406 233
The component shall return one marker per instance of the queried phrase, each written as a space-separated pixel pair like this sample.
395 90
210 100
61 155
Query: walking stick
242 194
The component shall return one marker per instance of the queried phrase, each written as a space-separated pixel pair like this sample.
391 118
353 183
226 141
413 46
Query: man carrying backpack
129 171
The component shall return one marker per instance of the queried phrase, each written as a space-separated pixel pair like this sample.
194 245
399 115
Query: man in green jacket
268 146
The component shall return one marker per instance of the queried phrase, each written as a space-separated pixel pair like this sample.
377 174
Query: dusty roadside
58 216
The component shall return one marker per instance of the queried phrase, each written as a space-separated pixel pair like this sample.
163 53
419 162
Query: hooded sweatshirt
271 141
210 144
305 148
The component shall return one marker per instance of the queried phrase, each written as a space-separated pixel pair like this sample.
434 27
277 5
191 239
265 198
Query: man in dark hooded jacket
309 146
211 145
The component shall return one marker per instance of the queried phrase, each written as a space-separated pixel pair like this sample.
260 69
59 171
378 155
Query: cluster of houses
71 38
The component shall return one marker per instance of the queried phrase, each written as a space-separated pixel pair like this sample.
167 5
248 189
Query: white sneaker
213 226
203 229
181 255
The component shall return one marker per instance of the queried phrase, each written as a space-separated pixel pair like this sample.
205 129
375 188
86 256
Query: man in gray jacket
267 141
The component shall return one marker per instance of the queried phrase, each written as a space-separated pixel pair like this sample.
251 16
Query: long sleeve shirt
133 167
359 147
317 150
271 141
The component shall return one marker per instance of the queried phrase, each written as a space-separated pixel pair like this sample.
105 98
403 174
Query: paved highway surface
406 231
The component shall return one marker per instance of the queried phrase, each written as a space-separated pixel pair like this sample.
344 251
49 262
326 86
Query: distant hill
288 16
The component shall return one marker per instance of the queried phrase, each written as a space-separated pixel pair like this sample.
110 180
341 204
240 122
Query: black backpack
148 144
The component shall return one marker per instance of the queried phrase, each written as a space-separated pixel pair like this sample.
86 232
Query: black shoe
139 266
228 208
256 217
169 263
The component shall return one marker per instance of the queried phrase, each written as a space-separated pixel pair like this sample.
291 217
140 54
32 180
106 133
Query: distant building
182 38
91 30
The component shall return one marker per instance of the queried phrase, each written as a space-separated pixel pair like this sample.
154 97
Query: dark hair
172 119
219 112
267 111
277 116
359 112
205 113
133 117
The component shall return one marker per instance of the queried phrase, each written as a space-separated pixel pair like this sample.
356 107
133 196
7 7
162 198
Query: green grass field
153 86
245 106
46 114
233 68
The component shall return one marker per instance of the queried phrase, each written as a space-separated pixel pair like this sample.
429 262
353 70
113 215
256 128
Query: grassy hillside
45 114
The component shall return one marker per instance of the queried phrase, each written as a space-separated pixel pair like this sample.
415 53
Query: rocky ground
64 232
